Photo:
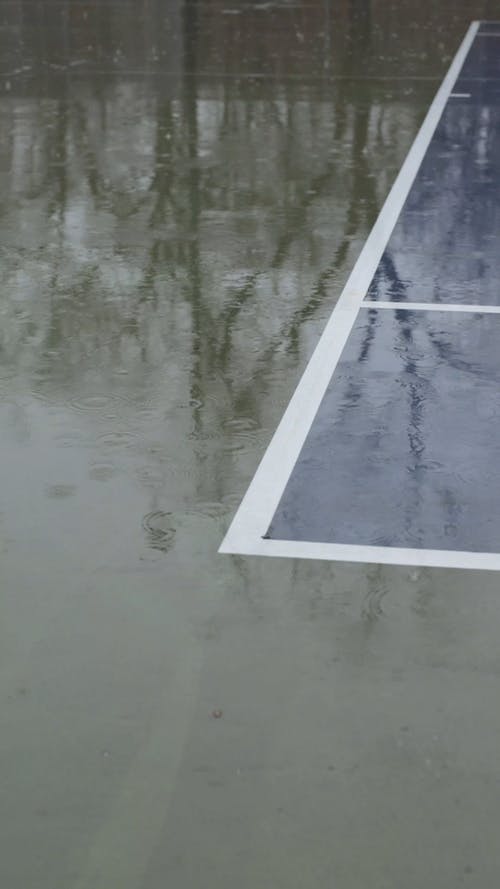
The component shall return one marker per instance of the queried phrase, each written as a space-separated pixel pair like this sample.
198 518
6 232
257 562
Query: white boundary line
245 535
382 555
430 307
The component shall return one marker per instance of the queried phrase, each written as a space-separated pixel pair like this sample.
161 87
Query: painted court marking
258 507
430 307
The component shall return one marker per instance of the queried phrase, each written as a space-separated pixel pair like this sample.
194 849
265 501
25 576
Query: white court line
261 500
460 96
430 307
382 555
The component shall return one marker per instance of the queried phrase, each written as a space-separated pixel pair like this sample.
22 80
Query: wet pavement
443 247
184 190
396 445
390 459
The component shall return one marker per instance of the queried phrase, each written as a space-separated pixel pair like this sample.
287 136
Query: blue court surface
390 448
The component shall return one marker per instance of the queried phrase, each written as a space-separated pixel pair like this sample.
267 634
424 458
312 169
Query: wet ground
184 190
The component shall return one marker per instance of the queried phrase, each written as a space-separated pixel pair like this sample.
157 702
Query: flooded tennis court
185 188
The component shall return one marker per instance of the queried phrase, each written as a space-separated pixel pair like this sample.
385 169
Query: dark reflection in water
258 39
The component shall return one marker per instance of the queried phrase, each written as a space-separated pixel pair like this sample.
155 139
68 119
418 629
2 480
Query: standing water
184 190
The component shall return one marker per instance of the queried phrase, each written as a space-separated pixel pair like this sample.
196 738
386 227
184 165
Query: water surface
184 190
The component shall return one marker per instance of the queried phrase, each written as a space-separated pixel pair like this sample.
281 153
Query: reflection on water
372 609
162 262
184 190
403 376
158 528
443 248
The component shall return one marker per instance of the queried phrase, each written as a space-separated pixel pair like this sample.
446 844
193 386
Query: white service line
430 307
261 500
381 555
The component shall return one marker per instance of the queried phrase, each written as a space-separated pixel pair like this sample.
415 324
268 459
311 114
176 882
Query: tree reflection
190 225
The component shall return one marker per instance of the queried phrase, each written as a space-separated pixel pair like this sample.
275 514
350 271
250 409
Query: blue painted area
489 27
444 247
481 92
483 59
404 450
405 447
